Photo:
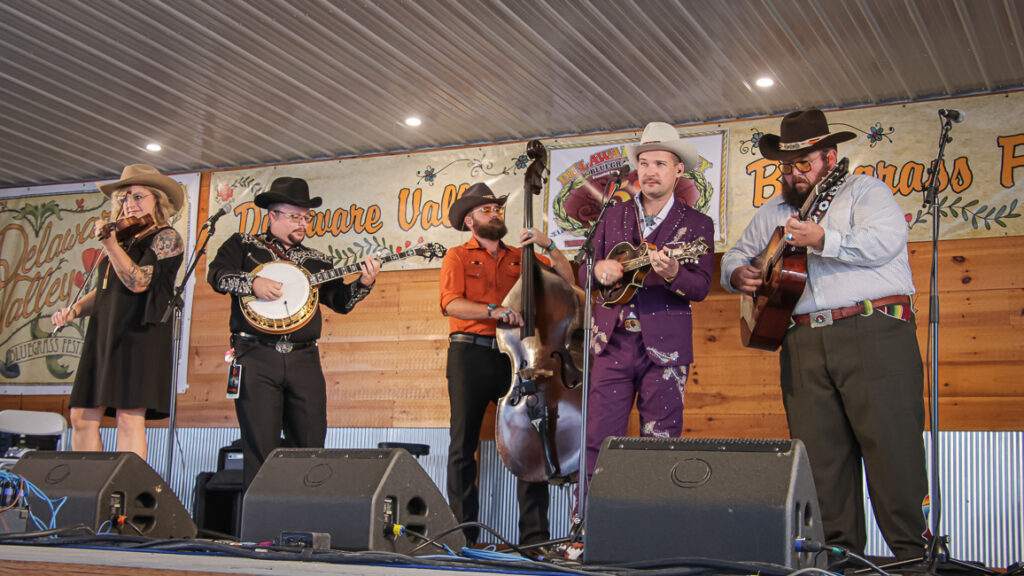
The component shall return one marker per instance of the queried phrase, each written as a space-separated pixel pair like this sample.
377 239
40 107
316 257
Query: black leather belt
485 341
281 345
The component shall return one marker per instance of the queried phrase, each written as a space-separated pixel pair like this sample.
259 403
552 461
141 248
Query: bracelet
670 280
550 248
491 308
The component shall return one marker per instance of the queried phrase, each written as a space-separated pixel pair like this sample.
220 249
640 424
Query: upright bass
539 420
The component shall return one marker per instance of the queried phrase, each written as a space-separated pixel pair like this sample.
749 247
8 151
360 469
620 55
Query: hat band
791 146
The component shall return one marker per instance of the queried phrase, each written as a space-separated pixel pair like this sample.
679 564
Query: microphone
952 114
622 172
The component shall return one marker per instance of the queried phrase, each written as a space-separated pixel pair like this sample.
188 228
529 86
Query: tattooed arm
137 278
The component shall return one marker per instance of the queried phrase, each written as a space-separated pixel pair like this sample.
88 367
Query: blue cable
32 490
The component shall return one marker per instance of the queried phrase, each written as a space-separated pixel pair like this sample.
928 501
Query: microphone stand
936 549
586 254
174 307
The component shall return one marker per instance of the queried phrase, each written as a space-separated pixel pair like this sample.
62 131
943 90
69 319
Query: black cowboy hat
287 190
801 132
477 195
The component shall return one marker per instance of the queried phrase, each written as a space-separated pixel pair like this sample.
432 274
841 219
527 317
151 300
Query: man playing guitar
851 368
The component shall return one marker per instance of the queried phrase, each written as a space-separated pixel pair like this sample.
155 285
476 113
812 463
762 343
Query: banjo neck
334 273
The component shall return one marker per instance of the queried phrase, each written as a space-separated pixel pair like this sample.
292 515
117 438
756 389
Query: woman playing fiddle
125 367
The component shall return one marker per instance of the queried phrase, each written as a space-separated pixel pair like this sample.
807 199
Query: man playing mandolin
281 384
643 344
475 278
850 364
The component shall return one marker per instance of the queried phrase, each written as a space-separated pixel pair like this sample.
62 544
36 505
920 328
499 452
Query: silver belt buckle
820 318
283 346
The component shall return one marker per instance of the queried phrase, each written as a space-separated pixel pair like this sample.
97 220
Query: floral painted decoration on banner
983 215
477 166
750 146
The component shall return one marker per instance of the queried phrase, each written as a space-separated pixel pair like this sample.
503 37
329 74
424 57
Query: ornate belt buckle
821 318
283 346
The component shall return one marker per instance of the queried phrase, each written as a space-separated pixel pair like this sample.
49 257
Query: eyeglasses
138 197
296 218
802 165
490 210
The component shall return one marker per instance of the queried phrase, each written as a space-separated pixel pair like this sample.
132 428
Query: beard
793 197
491 230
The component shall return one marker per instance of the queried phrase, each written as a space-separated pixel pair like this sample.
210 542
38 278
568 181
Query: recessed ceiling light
153 147
413 121
765 82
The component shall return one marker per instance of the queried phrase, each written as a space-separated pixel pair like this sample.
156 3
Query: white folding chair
24 423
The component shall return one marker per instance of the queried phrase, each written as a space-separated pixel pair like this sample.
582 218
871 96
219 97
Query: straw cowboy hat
662 136
477 195
801 132
287 190
147 176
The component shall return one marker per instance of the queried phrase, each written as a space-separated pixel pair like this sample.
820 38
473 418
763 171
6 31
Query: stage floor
46 560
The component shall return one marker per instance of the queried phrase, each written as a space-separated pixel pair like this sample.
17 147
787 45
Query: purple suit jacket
663 309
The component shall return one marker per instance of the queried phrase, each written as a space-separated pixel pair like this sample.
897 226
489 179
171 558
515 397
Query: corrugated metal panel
982 476
85 85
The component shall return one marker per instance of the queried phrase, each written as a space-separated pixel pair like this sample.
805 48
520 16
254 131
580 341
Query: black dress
127 355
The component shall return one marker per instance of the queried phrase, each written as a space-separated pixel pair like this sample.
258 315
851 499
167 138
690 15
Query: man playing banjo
276 373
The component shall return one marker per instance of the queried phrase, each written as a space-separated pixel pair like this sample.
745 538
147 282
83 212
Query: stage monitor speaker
102 486
735 500
356 496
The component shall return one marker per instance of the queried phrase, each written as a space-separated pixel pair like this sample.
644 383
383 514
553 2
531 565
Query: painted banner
46 250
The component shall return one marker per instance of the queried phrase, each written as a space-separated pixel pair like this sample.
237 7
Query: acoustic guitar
636 263
764 317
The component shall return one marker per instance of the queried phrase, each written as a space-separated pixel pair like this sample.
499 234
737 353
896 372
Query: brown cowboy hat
801 132
662 136
477 195
148 176
287 190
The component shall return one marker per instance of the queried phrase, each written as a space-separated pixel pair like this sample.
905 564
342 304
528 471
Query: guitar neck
334 273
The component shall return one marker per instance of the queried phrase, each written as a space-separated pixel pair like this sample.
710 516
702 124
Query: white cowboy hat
662 136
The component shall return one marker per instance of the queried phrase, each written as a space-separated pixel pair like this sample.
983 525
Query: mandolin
636 263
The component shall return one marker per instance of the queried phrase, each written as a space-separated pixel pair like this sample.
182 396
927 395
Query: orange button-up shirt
469 271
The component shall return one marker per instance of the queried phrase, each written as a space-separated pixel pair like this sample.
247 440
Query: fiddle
125 228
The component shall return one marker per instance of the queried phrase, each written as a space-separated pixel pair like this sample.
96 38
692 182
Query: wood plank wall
385 361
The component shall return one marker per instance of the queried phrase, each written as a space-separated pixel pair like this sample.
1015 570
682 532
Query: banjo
299 293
